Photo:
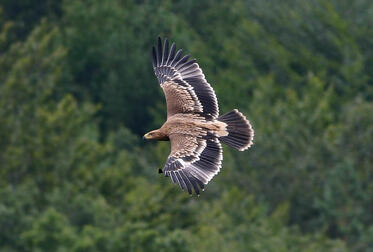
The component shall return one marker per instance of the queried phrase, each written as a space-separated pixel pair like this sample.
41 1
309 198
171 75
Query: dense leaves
77 92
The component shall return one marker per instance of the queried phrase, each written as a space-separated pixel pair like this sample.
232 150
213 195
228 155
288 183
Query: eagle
193 126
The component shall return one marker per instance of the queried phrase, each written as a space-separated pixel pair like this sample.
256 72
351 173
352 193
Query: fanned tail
240 133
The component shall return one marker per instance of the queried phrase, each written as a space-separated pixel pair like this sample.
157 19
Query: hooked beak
145 137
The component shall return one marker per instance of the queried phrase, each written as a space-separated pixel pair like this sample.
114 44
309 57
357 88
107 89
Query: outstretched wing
193 161
183 83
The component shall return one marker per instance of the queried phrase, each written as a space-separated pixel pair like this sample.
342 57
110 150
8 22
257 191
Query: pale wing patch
193 161
171 66
186 145
180 99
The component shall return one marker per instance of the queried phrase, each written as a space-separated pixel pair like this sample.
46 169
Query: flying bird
193 126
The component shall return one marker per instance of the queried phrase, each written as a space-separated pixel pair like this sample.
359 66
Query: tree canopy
77 92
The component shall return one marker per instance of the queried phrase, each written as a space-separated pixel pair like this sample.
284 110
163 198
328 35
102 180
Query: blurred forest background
77 92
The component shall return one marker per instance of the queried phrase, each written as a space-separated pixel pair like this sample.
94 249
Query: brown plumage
193 124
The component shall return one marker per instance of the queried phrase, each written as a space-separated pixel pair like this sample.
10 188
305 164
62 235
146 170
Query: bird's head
155 135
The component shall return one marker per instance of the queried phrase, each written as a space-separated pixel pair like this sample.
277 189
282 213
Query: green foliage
77 91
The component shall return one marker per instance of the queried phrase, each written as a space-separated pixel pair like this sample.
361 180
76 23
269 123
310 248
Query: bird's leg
160 171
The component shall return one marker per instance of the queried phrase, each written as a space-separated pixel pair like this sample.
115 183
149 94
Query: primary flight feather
193 124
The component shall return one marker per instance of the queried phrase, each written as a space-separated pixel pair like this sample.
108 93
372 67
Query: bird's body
193 124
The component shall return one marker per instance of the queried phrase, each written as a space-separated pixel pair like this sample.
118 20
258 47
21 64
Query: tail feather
240 133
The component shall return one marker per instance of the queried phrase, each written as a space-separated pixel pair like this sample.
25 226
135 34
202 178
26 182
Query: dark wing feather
171 67
193 161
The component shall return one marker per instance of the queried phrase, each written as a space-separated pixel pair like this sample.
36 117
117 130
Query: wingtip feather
159 51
